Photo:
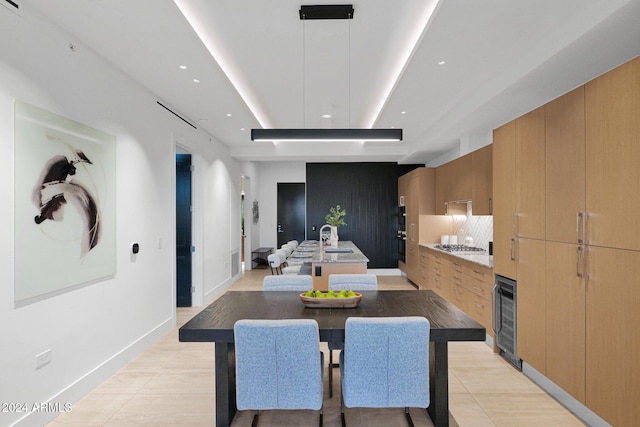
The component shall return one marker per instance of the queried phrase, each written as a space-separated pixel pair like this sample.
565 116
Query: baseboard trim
85 384
585 414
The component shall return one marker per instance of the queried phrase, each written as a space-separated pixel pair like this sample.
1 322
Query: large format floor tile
172 384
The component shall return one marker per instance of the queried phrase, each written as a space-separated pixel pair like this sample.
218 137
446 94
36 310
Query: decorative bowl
347 302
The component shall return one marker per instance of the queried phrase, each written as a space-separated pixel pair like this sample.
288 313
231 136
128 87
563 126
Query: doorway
291 212
183 230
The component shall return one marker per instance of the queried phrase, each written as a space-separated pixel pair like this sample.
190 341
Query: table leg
439 384
225 356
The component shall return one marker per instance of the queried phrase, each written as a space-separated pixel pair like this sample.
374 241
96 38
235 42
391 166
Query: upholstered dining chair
354 282
385 363
275 263
287 282
285 268
278 365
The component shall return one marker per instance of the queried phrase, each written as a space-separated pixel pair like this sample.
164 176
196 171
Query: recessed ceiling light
202 120
441 62
403 112
228 114
326 116
196 81
183 67
241 128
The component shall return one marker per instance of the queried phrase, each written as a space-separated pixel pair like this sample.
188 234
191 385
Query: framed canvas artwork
65 195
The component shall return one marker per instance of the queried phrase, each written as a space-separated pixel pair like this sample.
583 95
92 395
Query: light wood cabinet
531 296
529 218
482 185
612 335
461 179
565 166
402 189
424 268
443 187
565 317
419 200
577 315
504 200
612 103
463 283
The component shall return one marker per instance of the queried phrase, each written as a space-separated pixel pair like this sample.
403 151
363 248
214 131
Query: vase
333 237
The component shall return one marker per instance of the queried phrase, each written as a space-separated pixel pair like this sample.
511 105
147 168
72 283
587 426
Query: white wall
271 173
94 330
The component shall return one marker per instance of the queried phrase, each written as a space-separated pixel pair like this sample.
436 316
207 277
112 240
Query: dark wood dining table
215 324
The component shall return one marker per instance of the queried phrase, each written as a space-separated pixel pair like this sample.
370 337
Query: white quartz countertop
303 252
480 258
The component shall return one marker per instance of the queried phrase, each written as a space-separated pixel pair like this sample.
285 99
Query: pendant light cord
349 72
304 72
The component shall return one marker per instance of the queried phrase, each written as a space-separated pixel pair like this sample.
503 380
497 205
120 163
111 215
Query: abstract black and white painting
65 203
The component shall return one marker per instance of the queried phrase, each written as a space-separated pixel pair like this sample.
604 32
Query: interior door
183 230
291 212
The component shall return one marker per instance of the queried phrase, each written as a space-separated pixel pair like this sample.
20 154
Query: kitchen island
326 260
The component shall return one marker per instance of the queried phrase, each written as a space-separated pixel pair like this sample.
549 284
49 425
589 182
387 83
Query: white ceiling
502 58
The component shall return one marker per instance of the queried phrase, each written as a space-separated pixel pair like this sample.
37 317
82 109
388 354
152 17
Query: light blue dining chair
278 365
385 363
354 282
287 282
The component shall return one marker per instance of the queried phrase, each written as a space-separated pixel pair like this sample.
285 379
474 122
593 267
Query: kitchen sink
339 250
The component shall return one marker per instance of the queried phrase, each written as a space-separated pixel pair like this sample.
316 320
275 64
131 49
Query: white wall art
65 218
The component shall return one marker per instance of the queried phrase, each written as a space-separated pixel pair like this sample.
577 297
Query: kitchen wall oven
505 319
402 233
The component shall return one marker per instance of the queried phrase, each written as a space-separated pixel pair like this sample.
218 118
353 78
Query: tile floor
172 384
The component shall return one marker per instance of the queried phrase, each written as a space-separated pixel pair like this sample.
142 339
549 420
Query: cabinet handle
476 303
495 312
579 227
478 289
585 228
579 255
512 249
585 273
490 206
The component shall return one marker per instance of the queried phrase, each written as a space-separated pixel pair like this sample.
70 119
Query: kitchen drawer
439 285
477 286
460 297
479 272
480 310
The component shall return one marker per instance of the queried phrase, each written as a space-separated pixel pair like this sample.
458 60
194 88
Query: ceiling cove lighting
321 135
335 11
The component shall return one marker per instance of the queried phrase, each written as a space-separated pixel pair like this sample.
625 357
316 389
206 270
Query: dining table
215 324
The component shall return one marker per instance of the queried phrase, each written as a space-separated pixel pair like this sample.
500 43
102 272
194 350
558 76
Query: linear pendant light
334 11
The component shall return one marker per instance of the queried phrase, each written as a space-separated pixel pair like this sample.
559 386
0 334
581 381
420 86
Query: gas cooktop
458 248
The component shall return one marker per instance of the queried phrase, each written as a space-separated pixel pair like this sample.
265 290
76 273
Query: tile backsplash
479 228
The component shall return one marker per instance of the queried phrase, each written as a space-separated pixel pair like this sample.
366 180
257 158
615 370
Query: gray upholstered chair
275 263
354 282
385 363
287 282
278 365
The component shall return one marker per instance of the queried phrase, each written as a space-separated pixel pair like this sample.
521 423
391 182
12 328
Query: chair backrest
355 282
386 362
293 243
287 282
274 260
283 254
278 364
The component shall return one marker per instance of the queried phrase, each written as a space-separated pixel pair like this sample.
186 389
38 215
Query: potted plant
335 219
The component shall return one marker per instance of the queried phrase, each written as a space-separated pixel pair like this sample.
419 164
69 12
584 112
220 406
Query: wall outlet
43 358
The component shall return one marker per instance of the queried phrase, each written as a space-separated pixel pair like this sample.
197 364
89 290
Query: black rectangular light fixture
329 11
326 135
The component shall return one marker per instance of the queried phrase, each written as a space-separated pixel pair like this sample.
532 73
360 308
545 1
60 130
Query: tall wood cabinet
482 185
565 275
419 187
577 239
504 200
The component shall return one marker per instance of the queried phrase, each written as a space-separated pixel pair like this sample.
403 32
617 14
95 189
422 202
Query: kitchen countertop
319 255
480 258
